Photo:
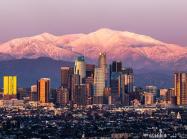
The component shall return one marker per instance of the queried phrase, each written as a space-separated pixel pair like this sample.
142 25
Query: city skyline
91 69
92 95
103 84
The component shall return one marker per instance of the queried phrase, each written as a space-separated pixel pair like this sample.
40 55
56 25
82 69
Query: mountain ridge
135 50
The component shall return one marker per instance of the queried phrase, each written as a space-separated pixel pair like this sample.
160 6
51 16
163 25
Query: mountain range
143 53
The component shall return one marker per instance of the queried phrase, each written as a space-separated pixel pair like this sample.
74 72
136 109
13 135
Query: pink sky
165 20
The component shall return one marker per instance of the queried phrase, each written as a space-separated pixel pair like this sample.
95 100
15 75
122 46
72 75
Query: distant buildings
43 88
121 83
170 97
151 89
87 84
33 93
62 96
10 87
149 98
180 83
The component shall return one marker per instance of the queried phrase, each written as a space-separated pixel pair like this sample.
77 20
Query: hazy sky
163 19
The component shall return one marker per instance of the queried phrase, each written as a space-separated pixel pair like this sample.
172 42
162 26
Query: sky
165 20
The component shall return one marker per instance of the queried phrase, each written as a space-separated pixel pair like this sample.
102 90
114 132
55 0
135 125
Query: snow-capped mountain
138 51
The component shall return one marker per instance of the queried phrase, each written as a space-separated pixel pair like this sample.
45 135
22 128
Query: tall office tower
89 81
90 70
116 66
43 87
81 94
149 98
99 85
115 87
80 67
33 94
180 81
126 81
102 63
10 87
89 94
66 72
62 96
75 80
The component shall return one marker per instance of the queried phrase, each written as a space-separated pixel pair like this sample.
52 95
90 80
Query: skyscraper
180 82
126 81
10 87
99 85
115 87
81 94
90 70
43 88
102 63
65 76
75 80
62 96
80 67
34 95
90 89
116 66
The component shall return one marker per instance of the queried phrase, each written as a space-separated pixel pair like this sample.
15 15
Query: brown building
75 80
66 73
149 98
90 70
170 96
43 88
116 66
33 94
107 95
62 96
89 81
180 82
81 95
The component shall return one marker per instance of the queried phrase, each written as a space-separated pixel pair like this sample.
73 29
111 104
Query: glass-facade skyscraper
99 85
80 67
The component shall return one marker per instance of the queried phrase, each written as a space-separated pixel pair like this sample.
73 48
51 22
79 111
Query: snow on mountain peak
122 45
126 34
45 36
